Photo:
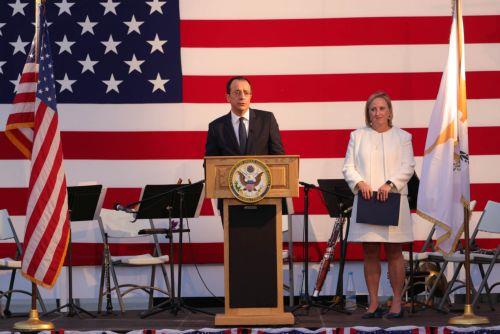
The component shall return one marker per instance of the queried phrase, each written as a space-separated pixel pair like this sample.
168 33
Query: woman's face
379 114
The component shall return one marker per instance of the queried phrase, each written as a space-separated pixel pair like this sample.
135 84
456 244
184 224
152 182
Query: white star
133 25
87 26
156 6
66 84
1 25
111 45
109 6
157 44
16 82
64 7
112 84
19 45
135 65
88 64
3 63
65 45
18 7
159 83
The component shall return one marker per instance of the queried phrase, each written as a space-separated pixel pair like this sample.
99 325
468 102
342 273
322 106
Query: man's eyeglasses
237 93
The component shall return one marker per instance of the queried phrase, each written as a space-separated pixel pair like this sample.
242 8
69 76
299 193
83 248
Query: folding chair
8 232
435 284
488 221
426 278
116 225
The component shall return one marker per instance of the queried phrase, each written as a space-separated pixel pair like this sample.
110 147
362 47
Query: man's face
239 96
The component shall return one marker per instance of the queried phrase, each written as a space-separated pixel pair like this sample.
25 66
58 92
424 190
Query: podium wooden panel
253 273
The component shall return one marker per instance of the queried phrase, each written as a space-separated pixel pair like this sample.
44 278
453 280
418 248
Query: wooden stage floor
312 319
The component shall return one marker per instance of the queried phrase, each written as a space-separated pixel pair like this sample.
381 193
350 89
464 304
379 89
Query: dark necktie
242 134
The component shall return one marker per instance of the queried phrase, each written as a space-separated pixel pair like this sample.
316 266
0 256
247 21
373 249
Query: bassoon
324 266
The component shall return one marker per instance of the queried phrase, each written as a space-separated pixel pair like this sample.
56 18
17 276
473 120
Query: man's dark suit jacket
263 136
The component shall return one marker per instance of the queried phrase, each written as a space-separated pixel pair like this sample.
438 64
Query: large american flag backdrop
138 82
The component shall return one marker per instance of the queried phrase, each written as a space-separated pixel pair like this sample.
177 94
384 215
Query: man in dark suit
243 131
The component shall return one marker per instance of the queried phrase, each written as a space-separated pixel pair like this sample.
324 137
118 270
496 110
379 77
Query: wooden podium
253 273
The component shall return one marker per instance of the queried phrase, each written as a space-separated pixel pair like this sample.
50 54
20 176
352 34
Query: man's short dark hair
230 81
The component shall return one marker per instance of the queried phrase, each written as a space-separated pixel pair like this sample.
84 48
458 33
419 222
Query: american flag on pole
444 184
33 127
138 82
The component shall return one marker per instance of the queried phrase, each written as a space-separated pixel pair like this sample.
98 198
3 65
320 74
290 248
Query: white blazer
397 166
399 163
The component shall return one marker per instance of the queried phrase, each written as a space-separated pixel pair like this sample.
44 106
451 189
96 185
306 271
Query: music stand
305 301
84 203
172 201
339 199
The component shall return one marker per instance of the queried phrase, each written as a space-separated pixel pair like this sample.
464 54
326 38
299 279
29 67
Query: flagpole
468 318
34 324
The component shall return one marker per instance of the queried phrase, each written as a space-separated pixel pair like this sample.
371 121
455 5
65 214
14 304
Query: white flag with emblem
445 185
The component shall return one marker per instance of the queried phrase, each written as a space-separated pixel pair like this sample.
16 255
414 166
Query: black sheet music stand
84 204
339 200
172 201
305 301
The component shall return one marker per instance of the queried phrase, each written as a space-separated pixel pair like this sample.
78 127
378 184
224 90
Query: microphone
305 184
119 207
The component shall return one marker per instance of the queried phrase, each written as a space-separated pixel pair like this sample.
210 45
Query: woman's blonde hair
376 95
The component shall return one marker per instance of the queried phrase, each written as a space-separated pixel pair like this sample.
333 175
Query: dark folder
374 212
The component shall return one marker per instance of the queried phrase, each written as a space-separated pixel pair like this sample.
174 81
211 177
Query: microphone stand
305 301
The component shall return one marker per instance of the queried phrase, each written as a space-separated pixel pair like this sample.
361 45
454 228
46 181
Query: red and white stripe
19 127
47 230
33 128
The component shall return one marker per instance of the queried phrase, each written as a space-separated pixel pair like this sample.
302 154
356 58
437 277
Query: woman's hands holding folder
383 192
365 189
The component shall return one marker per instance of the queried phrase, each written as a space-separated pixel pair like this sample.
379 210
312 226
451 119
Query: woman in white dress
380 158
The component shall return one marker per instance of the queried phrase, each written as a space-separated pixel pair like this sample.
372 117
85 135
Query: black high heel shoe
398 315
377 314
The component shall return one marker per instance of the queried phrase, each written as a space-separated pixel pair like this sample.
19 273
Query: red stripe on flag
156 145
120 195
29 77
15 199
60 250
24 98
40 115
317 87
40 212
21 138
38 162
335 31
22 117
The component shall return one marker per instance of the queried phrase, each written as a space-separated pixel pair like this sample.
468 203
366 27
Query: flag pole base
33 324
468 318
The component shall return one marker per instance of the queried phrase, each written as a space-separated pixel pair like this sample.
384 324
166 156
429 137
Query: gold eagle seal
249 180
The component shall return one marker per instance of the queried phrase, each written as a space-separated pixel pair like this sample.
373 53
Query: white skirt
376 233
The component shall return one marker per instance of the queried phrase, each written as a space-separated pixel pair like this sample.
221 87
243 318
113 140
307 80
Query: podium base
284 318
